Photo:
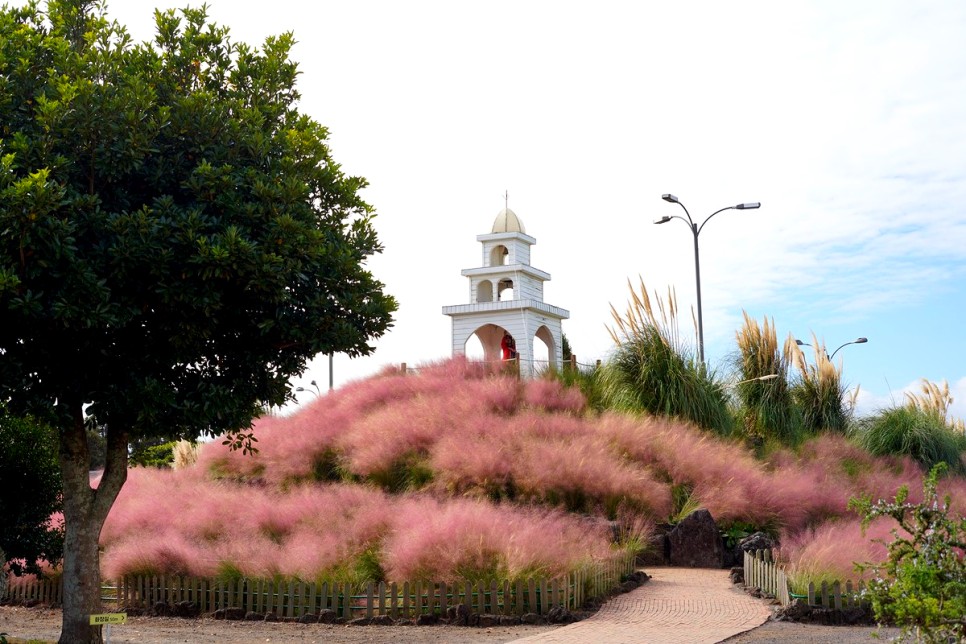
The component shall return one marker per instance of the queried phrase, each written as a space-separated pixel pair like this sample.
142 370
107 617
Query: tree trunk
85 510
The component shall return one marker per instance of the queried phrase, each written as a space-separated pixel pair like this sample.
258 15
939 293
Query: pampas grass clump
652 371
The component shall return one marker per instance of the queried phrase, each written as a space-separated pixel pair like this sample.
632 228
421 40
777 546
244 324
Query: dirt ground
43 625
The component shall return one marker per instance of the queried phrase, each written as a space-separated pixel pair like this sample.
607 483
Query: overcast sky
846 120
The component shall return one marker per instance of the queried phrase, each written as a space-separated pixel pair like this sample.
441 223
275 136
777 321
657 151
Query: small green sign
108 618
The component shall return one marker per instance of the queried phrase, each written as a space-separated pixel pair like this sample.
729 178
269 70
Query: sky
846 120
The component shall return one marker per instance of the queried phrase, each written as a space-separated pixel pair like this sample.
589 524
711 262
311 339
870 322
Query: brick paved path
677 605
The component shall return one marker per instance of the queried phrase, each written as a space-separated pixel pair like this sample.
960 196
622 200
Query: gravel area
43 624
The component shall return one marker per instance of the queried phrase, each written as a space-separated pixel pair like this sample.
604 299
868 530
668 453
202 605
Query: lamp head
662 220
861 340
669 198
748 206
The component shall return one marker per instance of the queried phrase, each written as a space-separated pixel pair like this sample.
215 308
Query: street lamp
856 341
314 384
696 230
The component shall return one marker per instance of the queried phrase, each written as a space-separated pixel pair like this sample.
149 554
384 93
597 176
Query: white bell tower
506 296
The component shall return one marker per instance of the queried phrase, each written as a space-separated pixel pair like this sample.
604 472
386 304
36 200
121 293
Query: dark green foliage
922 586
328 468
910 431
153 455
175 239
97 446
29 493
409 472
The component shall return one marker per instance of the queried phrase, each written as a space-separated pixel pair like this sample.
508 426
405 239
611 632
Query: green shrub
767 408
160 456
819 392
653 371
922 586
911 431
30 492
587 379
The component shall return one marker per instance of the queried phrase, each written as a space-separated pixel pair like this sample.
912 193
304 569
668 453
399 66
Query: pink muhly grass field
552 396
316 532
465 539
831 551
479 437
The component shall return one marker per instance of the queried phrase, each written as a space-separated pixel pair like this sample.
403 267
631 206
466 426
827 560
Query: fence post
403 368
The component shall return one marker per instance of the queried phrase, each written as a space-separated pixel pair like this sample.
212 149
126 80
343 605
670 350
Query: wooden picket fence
763 572
294 599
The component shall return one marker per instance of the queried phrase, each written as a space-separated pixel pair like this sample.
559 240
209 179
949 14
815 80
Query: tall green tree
176 242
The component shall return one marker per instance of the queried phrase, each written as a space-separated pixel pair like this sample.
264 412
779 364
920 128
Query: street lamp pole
695 231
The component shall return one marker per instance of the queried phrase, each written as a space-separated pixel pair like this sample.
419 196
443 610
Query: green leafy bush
30 492
922 586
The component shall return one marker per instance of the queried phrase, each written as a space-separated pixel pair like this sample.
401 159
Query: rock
254 617
327 616
160 609
796 611
559 615
737 575
382 620
696 543
360 621
509 620
309 618
532 618
458 615
756 541
628 586
657 551
426 620
638 577
235 613
185 609
488 621
271 617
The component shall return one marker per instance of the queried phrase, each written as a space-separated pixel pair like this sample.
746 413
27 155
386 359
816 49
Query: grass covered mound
455 473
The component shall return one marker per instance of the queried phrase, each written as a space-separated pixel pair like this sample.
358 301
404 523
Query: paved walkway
677 605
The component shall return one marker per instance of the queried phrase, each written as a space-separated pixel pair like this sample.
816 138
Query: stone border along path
677 605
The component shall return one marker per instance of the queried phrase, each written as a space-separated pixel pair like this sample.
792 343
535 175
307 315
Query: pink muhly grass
474 462
168 552
584 469
830 551
475 540
148 502
553 396
455 368
955 488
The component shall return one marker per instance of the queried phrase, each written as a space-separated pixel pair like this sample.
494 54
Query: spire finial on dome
507 221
